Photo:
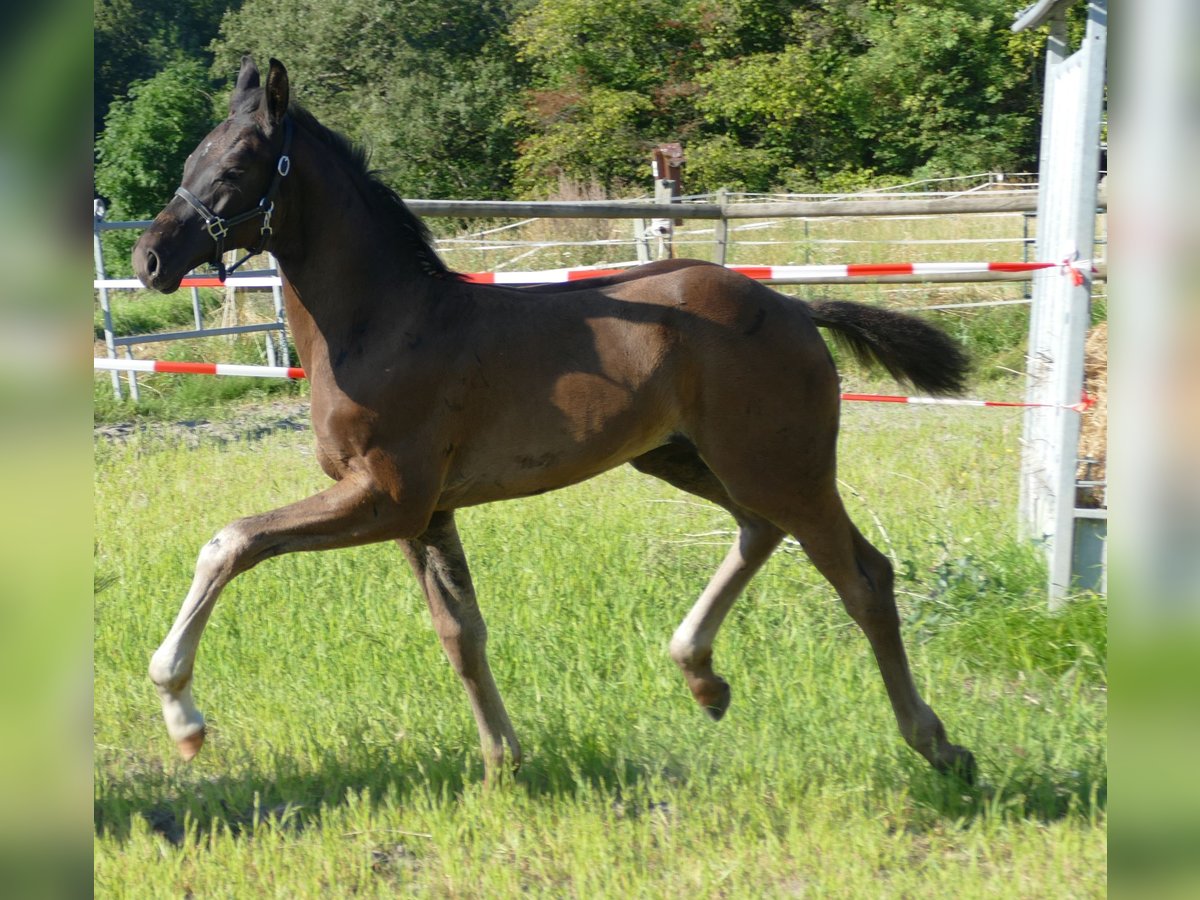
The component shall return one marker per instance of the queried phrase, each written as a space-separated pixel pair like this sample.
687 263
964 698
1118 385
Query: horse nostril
151 262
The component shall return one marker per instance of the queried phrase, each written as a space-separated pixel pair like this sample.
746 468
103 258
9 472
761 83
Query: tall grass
343 759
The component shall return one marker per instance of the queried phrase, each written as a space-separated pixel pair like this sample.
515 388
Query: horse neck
344 259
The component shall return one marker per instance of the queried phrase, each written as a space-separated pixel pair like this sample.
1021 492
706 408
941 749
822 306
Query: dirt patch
247 423
1093 431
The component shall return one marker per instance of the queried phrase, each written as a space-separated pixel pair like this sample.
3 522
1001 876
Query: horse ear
278 92
247 81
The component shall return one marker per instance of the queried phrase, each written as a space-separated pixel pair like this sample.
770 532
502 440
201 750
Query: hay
1093 432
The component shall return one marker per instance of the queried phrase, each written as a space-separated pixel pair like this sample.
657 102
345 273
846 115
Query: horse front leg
353 511
440 565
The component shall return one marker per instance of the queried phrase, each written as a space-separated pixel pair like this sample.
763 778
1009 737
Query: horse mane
409 228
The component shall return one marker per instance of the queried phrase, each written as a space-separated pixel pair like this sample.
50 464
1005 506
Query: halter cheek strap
218 227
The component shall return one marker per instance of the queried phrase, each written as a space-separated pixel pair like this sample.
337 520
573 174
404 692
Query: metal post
640 228
105 309
280 315
664 192
1059 319
134 394
197 314
721 232
1026 290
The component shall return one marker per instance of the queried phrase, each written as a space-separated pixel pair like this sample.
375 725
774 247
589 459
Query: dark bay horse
430 393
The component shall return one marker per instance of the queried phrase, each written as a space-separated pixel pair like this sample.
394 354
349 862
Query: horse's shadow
176 802
1032 793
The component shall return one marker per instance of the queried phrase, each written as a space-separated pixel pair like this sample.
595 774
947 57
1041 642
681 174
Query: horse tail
912 351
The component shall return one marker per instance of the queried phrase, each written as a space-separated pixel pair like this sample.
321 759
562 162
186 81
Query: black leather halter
218 227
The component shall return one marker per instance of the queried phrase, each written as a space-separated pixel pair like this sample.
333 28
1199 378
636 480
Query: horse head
227 196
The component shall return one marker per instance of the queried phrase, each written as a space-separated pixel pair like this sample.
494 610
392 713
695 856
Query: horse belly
590 424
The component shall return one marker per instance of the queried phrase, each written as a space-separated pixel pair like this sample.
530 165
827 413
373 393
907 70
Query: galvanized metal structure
1068 182
276 337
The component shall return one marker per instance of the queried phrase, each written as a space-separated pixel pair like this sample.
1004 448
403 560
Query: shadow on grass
181 804
1033 794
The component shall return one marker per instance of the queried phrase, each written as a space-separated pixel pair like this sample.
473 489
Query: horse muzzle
163 255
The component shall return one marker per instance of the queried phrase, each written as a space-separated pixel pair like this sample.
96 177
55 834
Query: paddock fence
788 240
736 220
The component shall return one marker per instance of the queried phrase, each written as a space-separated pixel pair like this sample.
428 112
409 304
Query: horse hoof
961 765
190 745
716 702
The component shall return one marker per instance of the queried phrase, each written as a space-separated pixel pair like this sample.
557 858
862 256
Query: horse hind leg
438 560
692 643
862 577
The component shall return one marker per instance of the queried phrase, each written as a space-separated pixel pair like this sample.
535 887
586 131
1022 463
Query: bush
146 140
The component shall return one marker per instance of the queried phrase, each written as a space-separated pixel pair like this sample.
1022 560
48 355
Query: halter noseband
217 227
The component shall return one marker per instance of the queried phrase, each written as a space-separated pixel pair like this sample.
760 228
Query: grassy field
343 759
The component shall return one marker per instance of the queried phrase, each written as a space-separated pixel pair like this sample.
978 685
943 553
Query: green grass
145 312
343 758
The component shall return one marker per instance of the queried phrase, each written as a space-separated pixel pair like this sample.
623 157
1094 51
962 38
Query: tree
608 78
423 84
767 93
133 40
943 89
147 138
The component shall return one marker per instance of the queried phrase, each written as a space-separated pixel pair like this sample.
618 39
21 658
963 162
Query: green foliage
797 93
938 91
455 139
489 99
786 106
424 85
622 45
136 39
591 135
147 137
723 161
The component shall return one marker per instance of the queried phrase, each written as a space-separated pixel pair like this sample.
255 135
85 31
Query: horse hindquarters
768 433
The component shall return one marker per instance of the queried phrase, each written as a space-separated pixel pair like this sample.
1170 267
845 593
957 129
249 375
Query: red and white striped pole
295 373
816 273
196 368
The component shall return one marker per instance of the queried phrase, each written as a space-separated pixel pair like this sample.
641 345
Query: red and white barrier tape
294 372
196 368
199 281
1077 269
1085 403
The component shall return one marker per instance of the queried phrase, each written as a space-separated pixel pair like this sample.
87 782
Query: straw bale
1093 432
